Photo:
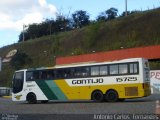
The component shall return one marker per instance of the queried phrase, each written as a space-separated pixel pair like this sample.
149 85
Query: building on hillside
150 52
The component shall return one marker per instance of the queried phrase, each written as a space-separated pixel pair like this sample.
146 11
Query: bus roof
97 63
83 64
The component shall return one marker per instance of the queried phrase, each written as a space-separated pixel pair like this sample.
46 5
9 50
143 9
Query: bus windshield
18 82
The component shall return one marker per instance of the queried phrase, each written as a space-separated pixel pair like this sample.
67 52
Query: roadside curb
8 97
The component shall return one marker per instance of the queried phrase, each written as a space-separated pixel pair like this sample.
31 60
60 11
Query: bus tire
44 101
111 96
31 98
97 96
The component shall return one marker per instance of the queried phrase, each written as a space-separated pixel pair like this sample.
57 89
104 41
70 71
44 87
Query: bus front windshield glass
18 82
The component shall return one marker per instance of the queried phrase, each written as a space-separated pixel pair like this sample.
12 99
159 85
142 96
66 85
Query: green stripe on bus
46 90
56 90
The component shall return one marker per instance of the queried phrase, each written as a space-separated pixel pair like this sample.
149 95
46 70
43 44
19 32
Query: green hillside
139 29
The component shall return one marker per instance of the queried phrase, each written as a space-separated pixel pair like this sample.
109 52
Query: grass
140 29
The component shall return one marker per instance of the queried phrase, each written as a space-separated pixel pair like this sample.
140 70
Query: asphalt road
77 109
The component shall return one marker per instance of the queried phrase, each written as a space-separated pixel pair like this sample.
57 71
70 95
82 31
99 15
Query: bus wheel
44 101
31 98
97 96
111 96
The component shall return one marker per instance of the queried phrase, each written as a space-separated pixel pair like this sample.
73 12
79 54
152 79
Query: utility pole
126 6
23 32
24 26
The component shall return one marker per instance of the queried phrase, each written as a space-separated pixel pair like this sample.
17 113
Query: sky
16 13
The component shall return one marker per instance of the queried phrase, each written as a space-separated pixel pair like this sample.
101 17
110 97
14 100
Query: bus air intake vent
131 91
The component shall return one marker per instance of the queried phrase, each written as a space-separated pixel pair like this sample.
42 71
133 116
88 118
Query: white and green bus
103 81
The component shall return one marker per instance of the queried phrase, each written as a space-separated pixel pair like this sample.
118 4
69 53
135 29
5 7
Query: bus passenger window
32 75
68 72
43 75
94 71
36 75
50 74
60 73
29 76
113 69
103 70
133 68
136 68
77 72
85 71
123 69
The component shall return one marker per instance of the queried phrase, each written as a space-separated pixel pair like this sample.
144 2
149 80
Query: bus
104 81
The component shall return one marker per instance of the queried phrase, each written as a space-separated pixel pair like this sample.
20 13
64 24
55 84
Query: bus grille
131 91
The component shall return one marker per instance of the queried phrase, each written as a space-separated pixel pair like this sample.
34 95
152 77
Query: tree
111 13
80 19
61 23
102 17
26 36
135 11
129 13
20 60
107 15
124 13
33 31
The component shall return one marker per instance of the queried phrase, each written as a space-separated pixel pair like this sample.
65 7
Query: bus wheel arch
31 98
111 95
97 96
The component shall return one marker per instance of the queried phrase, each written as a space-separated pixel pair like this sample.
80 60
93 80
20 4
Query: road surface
80 109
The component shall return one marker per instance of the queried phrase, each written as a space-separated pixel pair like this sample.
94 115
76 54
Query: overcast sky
15 13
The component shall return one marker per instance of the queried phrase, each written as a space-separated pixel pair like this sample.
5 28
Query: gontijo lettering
87 81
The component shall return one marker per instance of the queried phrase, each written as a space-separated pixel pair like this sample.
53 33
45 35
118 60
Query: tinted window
18 82
85 71
133 68
81 72
77 72
59 73
68 72
113 69
123 69
29 76
50 74
94 71
103 70
40 75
